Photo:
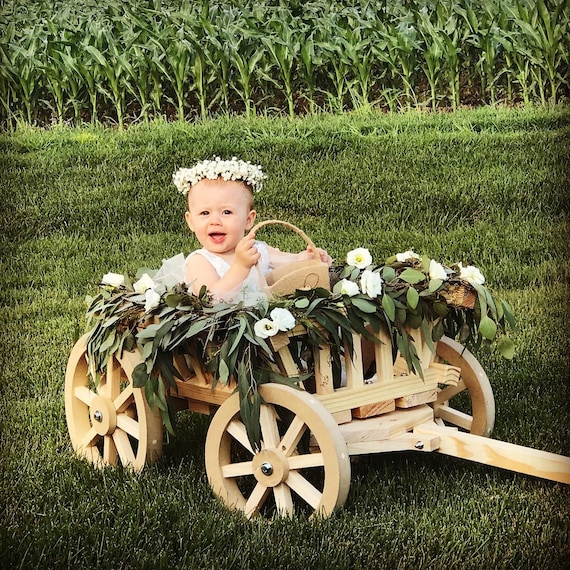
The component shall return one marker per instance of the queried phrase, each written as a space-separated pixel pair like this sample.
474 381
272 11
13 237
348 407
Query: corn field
118 62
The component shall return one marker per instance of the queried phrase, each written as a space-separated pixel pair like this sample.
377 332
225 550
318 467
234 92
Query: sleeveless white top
252 289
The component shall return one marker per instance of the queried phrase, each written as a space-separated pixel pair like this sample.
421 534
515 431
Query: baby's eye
204 213
227 212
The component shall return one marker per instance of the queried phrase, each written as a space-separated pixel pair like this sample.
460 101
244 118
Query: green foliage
130 61
486 187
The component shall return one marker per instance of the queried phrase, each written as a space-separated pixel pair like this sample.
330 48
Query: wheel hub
103 415
270 467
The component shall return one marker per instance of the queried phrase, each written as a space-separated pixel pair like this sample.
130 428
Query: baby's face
219 213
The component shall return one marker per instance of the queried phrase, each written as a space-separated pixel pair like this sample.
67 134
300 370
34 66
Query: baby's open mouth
217 237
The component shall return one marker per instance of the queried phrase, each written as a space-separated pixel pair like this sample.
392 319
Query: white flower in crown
234 169
471 273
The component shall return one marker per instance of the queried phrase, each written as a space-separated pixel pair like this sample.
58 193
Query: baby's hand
246 253
309 253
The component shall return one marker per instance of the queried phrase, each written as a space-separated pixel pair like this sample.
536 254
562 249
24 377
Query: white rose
471 274
436 270
402 257
283 319
144 283
371 283
152 300
359 257
349 288
265 328
113 279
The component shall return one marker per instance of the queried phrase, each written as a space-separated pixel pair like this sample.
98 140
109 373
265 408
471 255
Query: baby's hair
240 170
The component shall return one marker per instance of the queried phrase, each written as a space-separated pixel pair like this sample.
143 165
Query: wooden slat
417 399
375 409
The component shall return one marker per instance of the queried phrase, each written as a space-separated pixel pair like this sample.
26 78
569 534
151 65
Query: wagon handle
298 231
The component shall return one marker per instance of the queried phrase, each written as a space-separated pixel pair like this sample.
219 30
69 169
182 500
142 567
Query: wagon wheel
303 464
110 423
473 386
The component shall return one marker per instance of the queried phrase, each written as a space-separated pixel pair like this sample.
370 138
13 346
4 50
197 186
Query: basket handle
298 231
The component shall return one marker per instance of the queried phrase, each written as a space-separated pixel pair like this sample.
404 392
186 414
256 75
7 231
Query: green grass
487 187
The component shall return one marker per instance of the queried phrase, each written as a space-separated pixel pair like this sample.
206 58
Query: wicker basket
307 274
461 296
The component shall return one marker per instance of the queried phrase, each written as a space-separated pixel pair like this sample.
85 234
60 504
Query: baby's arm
278 258
200 272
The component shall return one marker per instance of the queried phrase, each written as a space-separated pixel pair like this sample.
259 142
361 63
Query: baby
231 263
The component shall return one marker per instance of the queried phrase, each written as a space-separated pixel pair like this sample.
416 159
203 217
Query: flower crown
234 169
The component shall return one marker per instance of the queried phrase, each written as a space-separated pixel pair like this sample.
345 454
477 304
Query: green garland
229 338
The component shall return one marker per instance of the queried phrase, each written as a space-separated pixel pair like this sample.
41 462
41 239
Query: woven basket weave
460 296
307 274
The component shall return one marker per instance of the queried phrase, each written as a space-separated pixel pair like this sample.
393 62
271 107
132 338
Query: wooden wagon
308 435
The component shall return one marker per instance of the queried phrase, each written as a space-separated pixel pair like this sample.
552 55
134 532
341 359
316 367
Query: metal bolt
419 445
98 416
266 468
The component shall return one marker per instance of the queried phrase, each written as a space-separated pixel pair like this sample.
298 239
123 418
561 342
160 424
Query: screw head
419 445
98 416
266 468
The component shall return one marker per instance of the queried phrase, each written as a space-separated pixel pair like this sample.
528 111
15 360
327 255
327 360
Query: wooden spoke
84 394
283 500
283 475
129 425
292 436
304 489
269 429
113 421
124 399
237 430
89 439
478 413
124 447
109 451
306 460
256 499
237 469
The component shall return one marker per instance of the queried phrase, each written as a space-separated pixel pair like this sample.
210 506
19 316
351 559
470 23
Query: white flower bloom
407 255
283 319
265 328
471 274
144 283
234 169
113 279
349 288
152 300
437 271
371 283
359 257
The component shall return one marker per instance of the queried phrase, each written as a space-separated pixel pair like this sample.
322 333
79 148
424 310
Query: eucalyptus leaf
412 298
389 307
434 285
506 347
412 276
487 328
363 304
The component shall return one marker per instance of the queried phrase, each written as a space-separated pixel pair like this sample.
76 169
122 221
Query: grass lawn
488 187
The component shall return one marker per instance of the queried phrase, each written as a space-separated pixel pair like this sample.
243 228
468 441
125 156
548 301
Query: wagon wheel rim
111 423
474 382
285 475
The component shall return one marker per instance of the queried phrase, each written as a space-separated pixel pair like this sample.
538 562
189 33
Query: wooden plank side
499 453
